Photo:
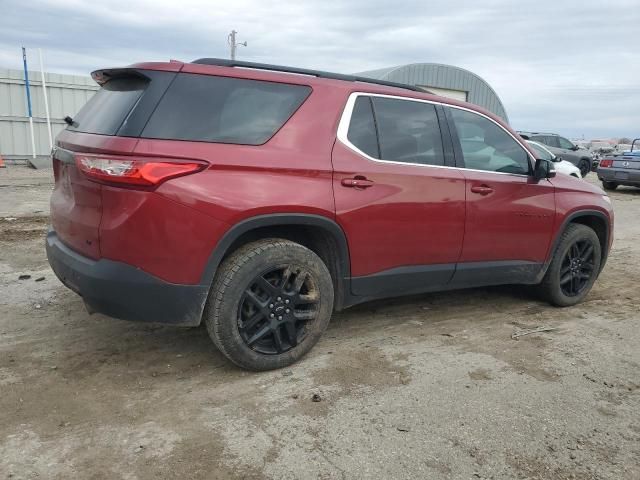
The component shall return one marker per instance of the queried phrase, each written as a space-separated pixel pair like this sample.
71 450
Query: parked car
563 148
561 166
624 169
259 199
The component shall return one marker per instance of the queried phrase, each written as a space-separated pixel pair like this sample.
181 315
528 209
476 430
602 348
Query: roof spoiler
103 76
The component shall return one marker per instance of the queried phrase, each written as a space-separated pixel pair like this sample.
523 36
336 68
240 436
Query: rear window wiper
69 121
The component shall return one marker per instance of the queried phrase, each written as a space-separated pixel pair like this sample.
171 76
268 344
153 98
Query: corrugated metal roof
479 92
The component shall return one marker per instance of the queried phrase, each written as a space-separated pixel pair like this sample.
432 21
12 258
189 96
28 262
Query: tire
609 185
584 166
554 288
248 315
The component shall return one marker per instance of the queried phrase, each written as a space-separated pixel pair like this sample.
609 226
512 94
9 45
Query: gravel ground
430 386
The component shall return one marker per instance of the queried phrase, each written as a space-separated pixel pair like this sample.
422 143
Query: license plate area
622 175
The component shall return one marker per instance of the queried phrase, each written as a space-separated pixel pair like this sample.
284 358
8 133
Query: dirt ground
431 386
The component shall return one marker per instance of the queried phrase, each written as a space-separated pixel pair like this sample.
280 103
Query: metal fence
67 94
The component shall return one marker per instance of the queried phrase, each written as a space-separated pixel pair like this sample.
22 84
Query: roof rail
536 133
221 62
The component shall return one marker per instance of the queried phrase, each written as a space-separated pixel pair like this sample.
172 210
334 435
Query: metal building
445 80
67 94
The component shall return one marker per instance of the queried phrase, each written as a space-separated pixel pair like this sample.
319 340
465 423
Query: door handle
356 182
482 189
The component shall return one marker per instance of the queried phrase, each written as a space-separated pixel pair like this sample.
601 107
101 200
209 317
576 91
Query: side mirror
575 148
543 169
557 158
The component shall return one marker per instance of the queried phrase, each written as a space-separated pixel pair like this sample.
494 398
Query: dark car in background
564 149
615 170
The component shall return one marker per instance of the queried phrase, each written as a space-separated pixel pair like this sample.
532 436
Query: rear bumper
631 177
123 291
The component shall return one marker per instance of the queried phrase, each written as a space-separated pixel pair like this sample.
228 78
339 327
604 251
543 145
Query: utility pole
233 45
46 100
26 85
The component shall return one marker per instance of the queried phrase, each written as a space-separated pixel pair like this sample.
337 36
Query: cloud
569 67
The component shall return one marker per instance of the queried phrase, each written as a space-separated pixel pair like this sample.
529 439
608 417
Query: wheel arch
318 233
594 219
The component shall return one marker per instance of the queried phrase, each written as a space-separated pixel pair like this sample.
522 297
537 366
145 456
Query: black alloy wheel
269 304
574 267
585 167
577 267
277 308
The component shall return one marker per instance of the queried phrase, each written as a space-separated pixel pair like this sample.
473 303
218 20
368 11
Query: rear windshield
223 109
107 110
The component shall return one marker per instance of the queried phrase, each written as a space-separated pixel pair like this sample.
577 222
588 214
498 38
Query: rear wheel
574 267
584 166
609 185
269 304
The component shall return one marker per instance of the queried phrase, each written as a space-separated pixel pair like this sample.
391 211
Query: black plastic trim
476 274
445 135
123 291
403 280
567 221
455 140
413 280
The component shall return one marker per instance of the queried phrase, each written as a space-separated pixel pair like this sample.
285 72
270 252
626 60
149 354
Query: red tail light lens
134 171
607 163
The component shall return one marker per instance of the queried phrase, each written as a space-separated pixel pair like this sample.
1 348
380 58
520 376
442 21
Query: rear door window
552 141
224 109
408 131
107 110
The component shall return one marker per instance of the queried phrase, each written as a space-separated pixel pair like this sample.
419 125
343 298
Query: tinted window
564 143
223 109
552 141
408 131
362 128
486 146
106 111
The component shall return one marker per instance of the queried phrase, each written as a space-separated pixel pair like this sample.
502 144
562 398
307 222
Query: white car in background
561 166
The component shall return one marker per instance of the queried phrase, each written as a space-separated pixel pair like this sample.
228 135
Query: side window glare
486 146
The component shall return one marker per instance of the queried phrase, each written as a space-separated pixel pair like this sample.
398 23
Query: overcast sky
571 67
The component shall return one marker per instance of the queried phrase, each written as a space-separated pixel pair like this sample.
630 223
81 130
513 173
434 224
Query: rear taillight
134 171
607 163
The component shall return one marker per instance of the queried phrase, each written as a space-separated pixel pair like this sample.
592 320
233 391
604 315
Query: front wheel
574 267
269 304
609 185
584 166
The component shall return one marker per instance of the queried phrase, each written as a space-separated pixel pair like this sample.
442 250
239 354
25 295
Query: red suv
261 198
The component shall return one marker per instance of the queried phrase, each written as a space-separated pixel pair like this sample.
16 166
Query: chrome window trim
345 120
